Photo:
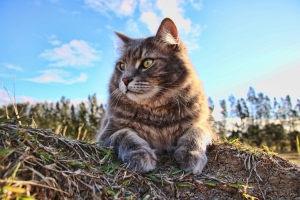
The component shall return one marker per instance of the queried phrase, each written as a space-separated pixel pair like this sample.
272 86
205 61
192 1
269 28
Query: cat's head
149 66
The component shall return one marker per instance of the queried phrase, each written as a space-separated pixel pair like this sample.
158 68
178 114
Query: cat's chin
141 98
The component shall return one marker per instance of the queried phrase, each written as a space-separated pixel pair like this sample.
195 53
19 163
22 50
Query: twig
14 106
39 174
6 111
260 189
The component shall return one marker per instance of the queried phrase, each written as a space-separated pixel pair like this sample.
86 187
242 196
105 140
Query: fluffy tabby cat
156 103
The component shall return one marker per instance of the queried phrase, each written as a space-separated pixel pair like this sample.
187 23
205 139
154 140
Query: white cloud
127 7
151 19
52 39
4 98
146 5
152 12
101 99
77 53
75 13
69 12
197 4
191 40
24 99
108 27
172 10
13 67
6 75
55 42
57 76
119 7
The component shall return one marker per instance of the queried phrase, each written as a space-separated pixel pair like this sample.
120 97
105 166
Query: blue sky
58 48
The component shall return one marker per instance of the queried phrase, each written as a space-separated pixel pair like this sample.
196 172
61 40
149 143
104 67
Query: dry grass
37 164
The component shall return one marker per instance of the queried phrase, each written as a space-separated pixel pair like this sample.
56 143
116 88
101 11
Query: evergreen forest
256 119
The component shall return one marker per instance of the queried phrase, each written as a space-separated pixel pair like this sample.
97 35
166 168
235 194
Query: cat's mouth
127 91
140 96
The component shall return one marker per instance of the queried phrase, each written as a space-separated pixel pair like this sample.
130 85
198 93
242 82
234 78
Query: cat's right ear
124 38
167 32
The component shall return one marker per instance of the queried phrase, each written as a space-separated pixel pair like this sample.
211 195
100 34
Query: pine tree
259 106
222 124
82 116
93 118
242 112
288 109
65 115
211 118
267 108
252 99
276 110
233 111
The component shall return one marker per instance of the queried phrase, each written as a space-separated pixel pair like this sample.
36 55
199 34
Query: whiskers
116 95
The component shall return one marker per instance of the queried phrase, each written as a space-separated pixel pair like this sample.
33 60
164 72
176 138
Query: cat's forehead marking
138 63
136 42
145 53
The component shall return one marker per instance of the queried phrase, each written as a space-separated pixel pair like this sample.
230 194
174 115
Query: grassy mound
37 164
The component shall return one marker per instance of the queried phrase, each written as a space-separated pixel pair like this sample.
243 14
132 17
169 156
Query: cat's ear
167 32
124 38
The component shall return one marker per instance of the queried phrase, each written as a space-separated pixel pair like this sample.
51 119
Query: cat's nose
126 81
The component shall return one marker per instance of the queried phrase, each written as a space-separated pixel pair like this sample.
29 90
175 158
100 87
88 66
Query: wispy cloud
52 39
4 98
197 4
191 40
54 1
77 53
24 99
68 12
13 67
57 76
133 28
119 7
108 27
75 13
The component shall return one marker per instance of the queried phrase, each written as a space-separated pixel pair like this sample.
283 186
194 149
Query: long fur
162 108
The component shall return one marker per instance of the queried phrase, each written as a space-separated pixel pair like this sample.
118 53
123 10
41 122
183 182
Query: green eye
122 66
147 63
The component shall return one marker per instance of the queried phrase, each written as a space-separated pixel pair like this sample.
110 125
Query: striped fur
158 109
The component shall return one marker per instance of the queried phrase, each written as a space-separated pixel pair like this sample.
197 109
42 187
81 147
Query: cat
156 104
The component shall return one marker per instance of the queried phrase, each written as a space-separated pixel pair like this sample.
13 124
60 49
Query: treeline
257 120
80 121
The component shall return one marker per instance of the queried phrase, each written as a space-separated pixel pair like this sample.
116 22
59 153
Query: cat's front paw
141 160
190 160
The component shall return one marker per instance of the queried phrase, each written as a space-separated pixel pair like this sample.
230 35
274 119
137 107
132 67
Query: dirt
294 157
41 165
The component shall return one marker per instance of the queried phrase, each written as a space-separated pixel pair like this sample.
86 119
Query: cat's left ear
125 39
167 32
